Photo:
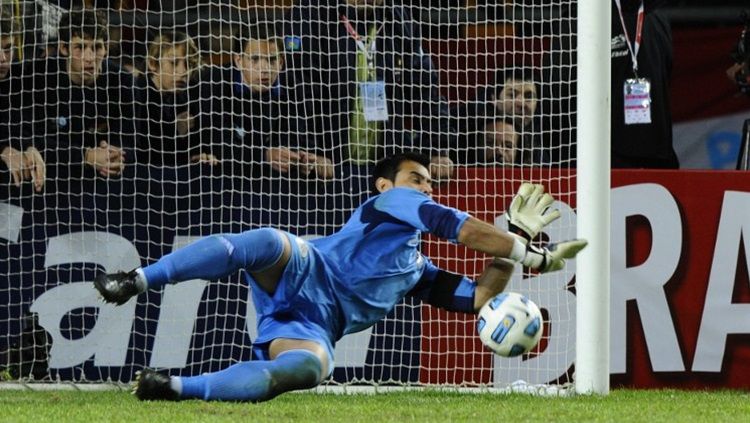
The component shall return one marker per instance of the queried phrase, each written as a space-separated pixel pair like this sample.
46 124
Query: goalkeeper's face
411 175
85 58
260 64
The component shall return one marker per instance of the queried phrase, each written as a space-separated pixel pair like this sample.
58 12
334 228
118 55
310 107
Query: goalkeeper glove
526 215
549 258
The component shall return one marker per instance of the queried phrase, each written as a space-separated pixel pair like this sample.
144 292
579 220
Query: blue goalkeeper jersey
375 260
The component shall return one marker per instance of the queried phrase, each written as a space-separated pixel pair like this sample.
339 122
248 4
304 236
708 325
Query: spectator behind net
164 115
67 106
20 161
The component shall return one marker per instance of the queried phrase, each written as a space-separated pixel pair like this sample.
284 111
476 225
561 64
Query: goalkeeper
308 294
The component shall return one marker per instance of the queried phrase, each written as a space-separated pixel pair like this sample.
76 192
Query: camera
741 55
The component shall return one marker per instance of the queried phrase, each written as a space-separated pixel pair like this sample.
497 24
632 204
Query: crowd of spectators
315 94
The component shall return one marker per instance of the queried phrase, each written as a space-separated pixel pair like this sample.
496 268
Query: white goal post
593 275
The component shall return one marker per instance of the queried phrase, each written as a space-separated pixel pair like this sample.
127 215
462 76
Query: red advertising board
680 303
703 199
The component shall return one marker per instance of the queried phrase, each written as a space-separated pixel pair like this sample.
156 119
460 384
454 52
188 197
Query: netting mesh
161 122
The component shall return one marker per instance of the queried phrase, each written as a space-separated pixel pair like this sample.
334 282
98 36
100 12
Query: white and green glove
549 258
527 216
528 213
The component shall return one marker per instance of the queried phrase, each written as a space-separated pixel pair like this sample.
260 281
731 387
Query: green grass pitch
429 406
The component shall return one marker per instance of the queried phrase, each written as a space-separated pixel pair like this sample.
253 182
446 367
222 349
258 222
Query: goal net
162 122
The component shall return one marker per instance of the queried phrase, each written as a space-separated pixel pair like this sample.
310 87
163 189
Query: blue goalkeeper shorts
303 306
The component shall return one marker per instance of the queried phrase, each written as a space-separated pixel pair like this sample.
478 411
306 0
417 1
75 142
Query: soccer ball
510 324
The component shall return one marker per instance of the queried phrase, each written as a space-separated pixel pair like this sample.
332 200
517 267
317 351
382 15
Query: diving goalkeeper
308 294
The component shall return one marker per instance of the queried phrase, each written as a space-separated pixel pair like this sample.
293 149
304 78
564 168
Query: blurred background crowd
289 95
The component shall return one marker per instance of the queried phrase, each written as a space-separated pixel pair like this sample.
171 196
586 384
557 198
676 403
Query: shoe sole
99 284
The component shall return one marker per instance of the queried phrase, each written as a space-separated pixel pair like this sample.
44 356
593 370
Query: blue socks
256 380
217 256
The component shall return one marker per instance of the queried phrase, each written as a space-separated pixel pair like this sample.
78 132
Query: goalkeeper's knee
294 369
255 250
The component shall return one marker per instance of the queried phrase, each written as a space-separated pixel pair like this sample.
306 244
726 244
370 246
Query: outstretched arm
454 292
492 281
481 236
528 214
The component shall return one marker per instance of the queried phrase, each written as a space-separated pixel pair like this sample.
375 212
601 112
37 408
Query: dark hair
87 24
388 167
515 74
261 30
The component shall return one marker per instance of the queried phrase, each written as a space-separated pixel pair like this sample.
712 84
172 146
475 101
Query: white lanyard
638 32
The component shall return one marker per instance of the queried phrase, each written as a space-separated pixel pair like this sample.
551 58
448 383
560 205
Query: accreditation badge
374 100
637 101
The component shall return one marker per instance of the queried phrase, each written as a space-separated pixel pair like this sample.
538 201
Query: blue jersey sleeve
420 211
